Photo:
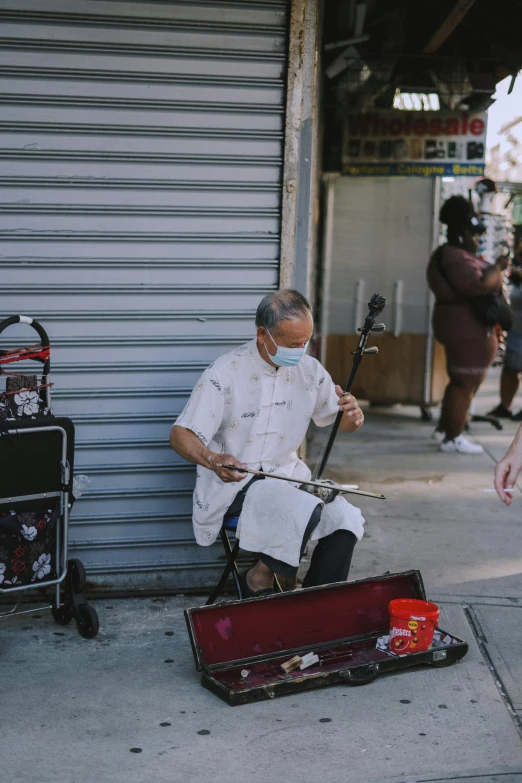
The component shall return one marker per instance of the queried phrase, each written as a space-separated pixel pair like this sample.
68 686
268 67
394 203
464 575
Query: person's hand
216 461
502 262
506 473
349 405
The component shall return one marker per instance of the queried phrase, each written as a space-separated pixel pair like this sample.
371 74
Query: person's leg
261 575
455 405
258 576
469 354
509 383
235 508
331 559
510 378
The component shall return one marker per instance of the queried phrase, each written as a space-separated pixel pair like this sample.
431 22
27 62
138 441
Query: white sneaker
438 436
462 445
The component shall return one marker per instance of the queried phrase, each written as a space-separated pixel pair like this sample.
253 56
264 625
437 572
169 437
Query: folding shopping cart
36 475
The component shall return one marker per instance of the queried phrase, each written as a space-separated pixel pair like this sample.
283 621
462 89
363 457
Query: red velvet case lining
304 618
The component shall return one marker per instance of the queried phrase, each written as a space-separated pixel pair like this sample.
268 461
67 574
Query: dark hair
457 213
457 210
283 305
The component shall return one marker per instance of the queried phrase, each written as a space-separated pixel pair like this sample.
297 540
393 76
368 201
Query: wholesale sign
414 144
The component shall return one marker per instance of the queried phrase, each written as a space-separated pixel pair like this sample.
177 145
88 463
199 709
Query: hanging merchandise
497 239
517 211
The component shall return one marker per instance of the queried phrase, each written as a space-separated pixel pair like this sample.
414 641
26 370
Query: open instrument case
240 646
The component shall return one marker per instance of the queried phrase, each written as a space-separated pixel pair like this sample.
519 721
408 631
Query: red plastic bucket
412 624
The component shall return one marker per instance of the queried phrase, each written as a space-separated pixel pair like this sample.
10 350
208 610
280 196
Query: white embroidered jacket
243 406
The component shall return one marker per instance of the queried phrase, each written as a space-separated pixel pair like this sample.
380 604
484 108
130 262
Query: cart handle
24 319
46 359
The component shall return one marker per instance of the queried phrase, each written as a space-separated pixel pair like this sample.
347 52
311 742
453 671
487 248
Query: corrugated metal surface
140 166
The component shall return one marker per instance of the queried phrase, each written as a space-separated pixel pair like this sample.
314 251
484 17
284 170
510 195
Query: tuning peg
376 328
374 349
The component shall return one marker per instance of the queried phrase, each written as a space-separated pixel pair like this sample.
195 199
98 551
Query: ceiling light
416 101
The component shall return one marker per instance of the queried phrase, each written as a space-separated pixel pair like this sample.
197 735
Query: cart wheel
88 625
62 614
78 576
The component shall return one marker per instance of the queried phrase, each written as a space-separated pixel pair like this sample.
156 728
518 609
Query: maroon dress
470 345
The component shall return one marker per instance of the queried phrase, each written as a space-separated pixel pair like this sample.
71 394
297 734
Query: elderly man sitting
252 408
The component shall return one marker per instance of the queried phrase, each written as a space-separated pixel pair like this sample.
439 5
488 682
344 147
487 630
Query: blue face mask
286 357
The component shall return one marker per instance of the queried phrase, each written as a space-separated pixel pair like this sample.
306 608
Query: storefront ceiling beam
448 26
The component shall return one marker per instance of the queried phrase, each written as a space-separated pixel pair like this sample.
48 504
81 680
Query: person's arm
187 444
330 399
197 424
515 275
469 279
492 279
509 468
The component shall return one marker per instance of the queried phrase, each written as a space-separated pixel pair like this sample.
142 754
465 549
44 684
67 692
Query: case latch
439 655
269 691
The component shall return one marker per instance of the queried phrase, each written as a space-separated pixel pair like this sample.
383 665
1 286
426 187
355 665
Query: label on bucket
411 631
410 635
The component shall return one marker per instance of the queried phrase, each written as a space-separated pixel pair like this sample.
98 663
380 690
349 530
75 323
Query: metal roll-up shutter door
141 156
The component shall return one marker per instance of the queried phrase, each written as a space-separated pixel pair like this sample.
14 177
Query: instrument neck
357 359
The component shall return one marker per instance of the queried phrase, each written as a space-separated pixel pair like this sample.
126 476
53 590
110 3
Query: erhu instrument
328 490
324 489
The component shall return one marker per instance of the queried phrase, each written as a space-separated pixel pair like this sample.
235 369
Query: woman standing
455 275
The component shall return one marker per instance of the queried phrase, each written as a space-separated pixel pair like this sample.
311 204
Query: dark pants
331 558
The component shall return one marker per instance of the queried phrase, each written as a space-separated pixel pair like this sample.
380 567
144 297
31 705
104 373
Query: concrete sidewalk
127 706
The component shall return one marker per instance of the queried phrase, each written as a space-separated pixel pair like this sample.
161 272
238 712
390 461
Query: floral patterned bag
22 399
28 546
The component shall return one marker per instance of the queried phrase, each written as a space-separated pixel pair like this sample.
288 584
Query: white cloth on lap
275 515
